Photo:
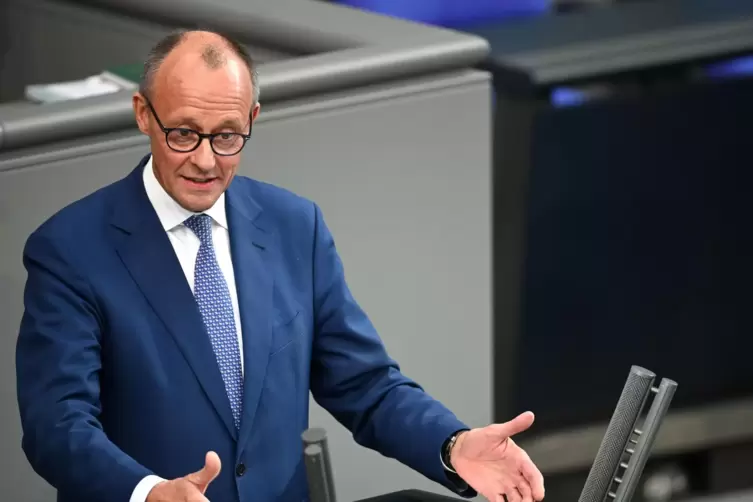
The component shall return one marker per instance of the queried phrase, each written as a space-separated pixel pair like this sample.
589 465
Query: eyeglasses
183 140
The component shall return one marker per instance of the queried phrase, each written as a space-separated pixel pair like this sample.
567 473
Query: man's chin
197 203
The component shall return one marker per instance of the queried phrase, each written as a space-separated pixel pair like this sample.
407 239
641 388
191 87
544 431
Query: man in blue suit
182 315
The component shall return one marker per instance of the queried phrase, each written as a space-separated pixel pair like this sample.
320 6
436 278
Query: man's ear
255 112
141 112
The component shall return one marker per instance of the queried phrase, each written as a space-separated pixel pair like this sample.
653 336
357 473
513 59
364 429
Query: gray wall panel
402 174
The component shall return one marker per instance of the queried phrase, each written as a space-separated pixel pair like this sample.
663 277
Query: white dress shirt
186 245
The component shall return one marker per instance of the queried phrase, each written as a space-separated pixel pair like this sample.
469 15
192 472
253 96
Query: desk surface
551 50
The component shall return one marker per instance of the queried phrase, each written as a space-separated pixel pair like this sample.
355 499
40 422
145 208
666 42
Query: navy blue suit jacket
116 374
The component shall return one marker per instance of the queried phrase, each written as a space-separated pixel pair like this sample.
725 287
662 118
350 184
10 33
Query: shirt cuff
141 492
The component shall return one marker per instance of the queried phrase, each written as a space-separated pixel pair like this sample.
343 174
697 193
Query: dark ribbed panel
650 428
619 431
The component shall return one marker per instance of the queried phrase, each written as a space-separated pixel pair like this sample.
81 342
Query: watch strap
444 456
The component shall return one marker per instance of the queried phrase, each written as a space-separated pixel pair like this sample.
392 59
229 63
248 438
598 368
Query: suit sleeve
58 362
355 380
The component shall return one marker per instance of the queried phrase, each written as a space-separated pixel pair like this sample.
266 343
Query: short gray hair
212 55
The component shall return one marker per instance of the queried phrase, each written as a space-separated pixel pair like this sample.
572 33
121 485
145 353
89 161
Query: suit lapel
249 243
146 251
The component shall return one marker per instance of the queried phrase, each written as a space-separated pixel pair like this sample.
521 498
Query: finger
513 495
515 426
525 490
532 474
189 493
207 474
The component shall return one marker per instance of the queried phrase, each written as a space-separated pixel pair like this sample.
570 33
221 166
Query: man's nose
203 156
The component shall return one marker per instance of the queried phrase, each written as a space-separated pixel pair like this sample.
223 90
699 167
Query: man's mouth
199 181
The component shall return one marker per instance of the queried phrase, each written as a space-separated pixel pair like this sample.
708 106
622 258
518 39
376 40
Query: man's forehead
181 64
192 76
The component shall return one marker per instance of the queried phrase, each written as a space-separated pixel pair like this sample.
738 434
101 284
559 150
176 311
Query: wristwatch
447 450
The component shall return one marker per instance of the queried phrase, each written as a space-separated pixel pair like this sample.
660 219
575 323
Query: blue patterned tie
213 297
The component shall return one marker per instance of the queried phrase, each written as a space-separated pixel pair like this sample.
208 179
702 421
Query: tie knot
201 225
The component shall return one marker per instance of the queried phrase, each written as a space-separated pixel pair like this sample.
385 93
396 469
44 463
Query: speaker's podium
320 480
614 474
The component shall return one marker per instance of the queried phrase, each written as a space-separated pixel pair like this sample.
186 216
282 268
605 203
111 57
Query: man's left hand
489 461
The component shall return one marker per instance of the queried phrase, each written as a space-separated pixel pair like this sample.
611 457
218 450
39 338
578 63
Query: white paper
97 85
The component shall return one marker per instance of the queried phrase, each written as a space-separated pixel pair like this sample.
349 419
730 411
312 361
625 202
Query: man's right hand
190 488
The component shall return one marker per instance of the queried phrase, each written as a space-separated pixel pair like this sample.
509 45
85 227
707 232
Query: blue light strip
452 13
567 96
734 68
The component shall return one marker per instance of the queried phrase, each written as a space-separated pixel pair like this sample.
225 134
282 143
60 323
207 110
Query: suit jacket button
240 470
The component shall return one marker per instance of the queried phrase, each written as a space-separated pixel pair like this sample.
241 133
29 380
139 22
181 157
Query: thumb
515 426
207 474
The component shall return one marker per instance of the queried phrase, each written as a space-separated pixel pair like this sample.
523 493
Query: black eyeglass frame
201 136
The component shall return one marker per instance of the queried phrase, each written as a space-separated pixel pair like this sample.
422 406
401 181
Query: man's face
187 94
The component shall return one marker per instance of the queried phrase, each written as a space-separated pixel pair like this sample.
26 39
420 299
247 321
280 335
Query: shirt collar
170 213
